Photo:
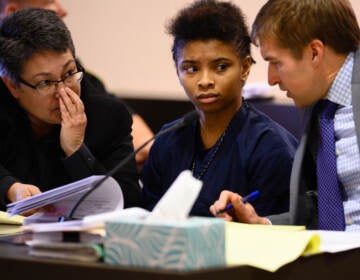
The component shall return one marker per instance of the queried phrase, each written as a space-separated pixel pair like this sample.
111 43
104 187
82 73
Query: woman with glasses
140 129
52 133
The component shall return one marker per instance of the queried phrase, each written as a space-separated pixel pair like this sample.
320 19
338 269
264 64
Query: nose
206 80
59 85
273 77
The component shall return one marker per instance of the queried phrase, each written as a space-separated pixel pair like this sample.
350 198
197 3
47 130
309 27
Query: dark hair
293 24
29 31
210 19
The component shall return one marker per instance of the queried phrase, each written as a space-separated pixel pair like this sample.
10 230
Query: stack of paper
76 240
268 247
86 252
82 239
70 240
337 241
271 247
70 231
106 198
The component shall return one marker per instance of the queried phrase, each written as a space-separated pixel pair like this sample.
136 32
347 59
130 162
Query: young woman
232 146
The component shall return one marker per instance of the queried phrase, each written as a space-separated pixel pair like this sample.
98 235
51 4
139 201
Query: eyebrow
47 73
269 58
187 61
212 61
220 59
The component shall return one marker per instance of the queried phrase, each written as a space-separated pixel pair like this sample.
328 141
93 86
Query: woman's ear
246 65
12 87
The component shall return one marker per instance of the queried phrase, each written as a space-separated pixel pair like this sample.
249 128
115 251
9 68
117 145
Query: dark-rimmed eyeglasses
49 87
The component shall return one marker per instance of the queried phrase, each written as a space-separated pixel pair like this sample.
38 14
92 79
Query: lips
285 90
208 97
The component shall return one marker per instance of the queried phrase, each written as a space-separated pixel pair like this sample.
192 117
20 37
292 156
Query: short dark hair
29 31
293 24
210 19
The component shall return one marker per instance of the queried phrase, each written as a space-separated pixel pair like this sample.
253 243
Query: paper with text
58 201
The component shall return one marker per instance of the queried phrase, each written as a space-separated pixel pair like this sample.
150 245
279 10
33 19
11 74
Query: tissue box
194 243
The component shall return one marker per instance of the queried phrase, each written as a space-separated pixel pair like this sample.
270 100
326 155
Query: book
69 231
70 236
79 240
60 200
85 252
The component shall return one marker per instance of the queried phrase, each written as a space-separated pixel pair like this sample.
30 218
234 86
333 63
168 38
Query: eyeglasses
49 87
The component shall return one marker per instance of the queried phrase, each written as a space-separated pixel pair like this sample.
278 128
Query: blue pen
250 197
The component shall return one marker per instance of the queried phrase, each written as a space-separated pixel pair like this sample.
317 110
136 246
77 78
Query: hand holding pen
232 207
249 198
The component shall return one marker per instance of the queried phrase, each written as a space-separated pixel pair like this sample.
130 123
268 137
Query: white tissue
177 202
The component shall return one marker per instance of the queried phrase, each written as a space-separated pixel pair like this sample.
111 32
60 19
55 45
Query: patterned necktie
330 204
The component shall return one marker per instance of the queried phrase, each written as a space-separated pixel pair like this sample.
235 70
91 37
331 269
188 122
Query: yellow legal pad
10 225
268 247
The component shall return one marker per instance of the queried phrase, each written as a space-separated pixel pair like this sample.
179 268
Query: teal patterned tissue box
195 243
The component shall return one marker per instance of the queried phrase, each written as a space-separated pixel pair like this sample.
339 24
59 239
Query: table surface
17 264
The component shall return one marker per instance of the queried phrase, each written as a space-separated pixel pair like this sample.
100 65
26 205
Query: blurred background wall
124 42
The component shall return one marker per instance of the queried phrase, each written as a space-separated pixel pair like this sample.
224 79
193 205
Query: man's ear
316 49
12 87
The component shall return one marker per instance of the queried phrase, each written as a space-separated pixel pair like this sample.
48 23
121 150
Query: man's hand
73 123
241 212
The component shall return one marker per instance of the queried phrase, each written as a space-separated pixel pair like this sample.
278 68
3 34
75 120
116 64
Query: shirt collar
340 90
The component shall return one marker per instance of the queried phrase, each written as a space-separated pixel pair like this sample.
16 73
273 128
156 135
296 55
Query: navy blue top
256 154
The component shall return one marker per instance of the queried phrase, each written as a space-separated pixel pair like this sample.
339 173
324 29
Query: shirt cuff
5 183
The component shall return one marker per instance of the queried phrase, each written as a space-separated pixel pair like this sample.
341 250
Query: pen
250 197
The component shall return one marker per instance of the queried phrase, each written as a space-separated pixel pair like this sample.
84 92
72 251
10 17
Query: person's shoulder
109 102
266 123
106 108
183 129
176 136
266 133
10 111
92 84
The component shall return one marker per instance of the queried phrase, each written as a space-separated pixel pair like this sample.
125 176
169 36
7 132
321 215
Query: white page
89 222
51 196
108 197
337 241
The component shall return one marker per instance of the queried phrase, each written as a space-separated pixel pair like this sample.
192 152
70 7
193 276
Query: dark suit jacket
303 183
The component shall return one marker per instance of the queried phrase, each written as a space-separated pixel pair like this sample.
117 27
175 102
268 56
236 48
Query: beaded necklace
216 148
211 158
